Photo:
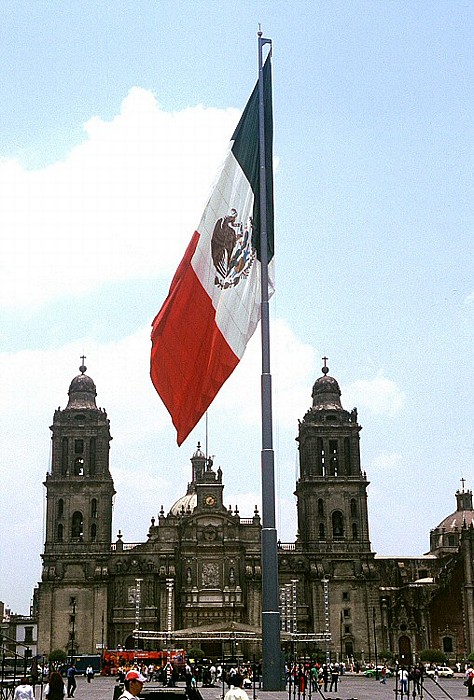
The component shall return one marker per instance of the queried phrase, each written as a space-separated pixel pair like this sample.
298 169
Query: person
325 677
383 674
334 677
133 685
89 673
403 678
55 688
236 691
24 691
470 681
213 672
71 681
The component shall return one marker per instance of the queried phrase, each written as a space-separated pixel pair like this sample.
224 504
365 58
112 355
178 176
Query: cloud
384 461
122 204
380 396
293 368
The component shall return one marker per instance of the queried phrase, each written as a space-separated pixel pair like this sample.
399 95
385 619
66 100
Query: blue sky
114 119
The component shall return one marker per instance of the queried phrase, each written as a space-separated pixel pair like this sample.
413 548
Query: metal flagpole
271 647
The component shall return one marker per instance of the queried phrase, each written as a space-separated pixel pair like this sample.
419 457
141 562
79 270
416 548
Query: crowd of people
237 677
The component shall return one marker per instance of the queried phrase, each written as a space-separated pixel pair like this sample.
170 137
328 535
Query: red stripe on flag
190 358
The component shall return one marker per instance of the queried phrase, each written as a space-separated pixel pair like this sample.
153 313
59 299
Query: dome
82 392
463 516
185 503
326 392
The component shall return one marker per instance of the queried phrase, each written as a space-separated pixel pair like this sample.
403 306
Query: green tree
385 655
195 653
434 656
57 658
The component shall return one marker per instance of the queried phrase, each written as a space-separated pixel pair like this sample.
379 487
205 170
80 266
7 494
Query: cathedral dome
184 504
463 516
326 392
82 391
446 536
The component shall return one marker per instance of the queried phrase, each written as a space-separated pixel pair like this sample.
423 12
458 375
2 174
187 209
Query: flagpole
271 647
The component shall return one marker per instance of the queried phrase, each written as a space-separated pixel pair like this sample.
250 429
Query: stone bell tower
80 487
331 489
79 493
333 535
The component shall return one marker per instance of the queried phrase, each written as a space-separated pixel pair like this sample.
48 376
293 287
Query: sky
115 117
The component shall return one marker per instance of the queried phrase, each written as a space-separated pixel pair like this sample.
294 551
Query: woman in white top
24 691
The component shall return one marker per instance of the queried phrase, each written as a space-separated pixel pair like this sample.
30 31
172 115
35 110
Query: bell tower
80 487
79 493
331 489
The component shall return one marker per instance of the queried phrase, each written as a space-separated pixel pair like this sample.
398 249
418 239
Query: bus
113 659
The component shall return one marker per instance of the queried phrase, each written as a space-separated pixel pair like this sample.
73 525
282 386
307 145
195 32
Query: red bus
113 659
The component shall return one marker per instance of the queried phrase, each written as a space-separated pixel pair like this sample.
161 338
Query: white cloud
380 396
385 461
122 204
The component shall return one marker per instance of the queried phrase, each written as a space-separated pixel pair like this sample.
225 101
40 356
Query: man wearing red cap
133 685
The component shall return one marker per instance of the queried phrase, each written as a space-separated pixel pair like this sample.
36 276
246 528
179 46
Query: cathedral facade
196 578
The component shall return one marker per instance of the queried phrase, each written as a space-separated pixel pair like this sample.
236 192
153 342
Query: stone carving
210 575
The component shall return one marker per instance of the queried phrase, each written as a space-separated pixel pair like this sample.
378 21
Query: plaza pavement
350 686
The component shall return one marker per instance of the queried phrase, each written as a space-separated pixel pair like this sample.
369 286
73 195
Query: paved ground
351 686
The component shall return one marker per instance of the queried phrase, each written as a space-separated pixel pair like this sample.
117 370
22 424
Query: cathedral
195 580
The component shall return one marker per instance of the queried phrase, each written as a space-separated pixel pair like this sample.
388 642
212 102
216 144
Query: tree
195 653
434 656
385 655
57 657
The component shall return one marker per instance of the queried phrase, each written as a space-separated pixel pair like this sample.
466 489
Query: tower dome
82 391
462 516
446 536
326 393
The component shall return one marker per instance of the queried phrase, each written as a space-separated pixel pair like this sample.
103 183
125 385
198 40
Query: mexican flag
213 305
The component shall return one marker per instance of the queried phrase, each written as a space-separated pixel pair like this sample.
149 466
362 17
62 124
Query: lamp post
375 646
341 622
73 631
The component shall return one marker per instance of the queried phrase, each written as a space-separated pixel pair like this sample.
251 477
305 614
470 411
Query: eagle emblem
232 250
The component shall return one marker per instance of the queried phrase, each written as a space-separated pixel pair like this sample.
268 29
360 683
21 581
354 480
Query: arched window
355 534
448 645
77 526
60 531
93 532
94 508
353 508
320 508
321 532
337 524
60 508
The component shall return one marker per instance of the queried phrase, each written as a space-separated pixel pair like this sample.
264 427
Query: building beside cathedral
196 577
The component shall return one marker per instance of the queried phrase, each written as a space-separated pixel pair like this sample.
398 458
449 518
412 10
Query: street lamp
73 631
375 647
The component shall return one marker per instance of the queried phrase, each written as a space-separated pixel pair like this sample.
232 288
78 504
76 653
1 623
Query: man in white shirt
235 691
133 685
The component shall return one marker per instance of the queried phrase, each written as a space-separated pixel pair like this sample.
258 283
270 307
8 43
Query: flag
213 305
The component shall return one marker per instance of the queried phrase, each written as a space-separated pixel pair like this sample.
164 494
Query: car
370 672
441 671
